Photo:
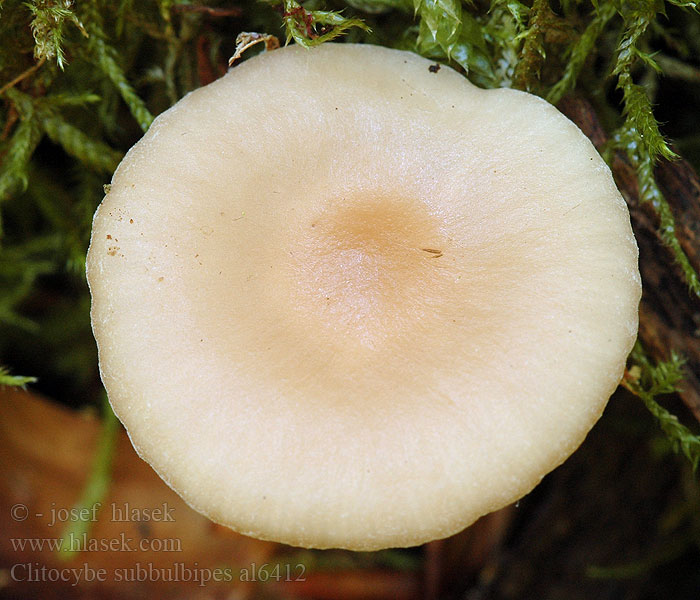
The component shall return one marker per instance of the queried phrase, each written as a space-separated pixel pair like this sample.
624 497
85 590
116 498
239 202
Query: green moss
648 380
6 379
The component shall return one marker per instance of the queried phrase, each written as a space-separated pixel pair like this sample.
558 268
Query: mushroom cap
342 299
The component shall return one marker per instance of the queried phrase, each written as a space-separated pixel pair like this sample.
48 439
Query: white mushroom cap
344 301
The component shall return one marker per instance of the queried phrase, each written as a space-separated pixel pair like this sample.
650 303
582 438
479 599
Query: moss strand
639 136
96 485
580 51
647 380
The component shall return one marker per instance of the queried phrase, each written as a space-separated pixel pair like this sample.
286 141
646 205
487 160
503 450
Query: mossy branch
639 116
533 54
451 33
639 136
173 51
20 267
440 23
49 18
581 50
92 153
313 27
647 381
106 58
649 192
13 172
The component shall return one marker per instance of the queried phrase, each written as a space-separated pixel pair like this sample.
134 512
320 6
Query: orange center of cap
366 268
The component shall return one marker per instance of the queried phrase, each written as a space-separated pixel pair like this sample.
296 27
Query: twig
22 76
209 10
246 39
12 116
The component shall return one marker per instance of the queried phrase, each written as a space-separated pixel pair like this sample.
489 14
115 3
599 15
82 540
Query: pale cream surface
343 301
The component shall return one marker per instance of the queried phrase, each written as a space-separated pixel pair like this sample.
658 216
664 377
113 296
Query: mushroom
344 299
